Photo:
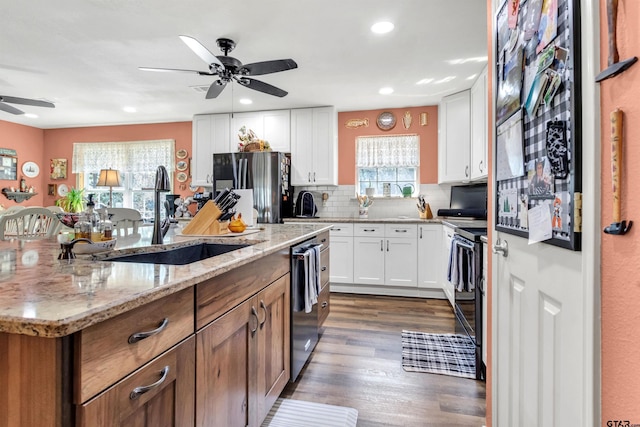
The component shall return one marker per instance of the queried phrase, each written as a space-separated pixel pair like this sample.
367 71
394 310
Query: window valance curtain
132 156
391 151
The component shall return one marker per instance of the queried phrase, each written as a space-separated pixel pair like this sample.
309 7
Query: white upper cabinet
479 127
454 138
210 134
272 126
314 146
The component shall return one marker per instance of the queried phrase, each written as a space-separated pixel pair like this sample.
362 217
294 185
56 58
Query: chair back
123 219
28 224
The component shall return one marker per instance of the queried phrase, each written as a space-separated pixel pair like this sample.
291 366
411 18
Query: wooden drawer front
324 266
169 399
216 296
104 354
368 230
324 304
409 231
342 229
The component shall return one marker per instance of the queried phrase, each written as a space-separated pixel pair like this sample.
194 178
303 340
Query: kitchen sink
179 256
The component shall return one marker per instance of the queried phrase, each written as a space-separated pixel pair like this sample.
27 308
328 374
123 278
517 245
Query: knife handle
612 18
616 160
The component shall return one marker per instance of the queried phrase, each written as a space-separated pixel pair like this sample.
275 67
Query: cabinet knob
325 304
324 268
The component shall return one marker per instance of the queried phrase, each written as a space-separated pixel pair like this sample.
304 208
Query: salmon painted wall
620 271
428 140
27 141
58 143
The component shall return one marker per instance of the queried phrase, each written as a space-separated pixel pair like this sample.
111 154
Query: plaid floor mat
447 354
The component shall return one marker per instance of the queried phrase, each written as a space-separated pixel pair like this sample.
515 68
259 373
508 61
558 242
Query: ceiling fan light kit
229 69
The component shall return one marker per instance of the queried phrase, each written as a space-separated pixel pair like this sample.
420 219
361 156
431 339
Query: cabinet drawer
104 353
324 266
161 392
368 230
324 304
409 231
342 229
323 238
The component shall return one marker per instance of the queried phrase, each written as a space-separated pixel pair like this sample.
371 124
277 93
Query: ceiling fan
229 69
24 101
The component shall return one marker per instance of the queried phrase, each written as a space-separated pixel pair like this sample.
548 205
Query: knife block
205 222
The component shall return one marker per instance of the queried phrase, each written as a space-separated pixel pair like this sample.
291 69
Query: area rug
447 354
298 413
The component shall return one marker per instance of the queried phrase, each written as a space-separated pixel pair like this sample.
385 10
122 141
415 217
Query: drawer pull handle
369 230
264 307
254 312
139 336
323 240
324 268
139 391
400 231
325 304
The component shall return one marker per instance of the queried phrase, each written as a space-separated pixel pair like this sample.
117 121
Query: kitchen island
90 342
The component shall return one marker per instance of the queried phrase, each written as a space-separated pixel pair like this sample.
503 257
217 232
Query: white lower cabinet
430 256
341 255
368 254
447 286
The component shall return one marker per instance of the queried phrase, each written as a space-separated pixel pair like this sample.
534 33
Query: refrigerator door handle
245 176
235 171
239 183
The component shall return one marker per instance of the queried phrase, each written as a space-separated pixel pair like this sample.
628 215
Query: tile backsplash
342 201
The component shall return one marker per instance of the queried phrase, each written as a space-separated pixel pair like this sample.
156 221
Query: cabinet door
301 145
277 129
454 138
430 256
447 287
202 150
341 259
251 120
274 369
401 262
368 260
324 149
224 372
220 129
159 394
479 98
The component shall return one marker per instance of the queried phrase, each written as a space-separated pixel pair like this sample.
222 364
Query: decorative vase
363 212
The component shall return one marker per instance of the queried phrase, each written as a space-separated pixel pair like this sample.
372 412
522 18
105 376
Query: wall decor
182 154
182 165
406 119
8 167
424 119
356 123
58 168
181 177
386 120
538 116
52 189
30 169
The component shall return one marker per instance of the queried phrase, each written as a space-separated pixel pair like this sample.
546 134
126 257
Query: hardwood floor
358 363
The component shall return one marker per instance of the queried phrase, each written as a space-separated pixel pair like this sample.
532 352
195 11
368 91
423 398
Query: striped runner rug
298 413
447 354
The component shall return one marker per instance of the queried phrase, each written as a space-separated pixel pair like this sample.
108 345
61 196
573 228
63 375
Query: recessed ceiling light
424 81
445 80
382 27
31 115
246 101
129 109
386 91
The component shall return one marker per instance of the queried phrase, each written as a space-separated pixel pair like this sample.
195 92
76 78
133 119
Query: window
387 159
137 162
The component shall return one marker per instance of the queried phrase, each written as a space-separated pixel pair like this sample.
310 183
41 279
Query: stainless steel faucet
163 185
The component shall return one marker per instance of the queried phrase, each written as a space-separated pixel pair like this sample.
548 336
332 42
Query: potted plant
73 201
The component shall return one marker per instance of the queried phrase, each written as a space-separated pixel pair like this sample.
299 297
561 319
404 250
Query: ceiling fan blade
201 51
177 70
268 67
261 86
9 109
26 101
215 89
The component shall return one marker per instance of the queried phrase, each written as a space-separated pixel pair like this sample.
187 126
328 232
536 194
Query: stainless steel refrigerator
267 173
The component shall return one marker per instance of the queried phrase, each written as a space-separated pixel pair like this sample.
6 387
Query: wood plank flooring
358 363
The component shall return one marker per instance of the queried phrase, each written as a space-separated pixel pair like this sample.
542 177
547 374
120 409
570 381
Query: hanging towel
312 278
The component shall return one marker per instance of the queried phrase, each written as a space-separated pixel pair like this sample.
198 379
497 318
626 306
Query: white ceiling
83 55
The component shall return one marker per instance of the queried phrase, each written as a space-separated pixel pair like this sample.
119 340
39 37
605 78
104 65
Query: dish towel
312 277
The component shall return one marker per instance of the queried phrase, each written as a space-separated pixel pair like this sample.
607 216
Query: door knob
501 247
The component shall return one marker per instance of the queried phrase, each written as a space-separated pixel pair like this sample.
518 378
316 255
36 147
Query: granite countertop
43 296
452 222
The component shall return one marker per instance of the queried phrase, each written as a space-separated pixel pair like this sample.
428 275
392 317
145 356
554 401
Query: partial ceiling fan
6 100
230 69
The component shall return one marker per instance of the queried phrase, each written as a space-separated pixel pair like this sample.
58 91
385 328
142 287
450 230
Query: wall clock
386 120
30 169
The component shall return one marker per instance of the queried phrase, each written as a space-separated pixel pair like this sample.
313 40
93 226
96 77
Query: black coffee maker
171 198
